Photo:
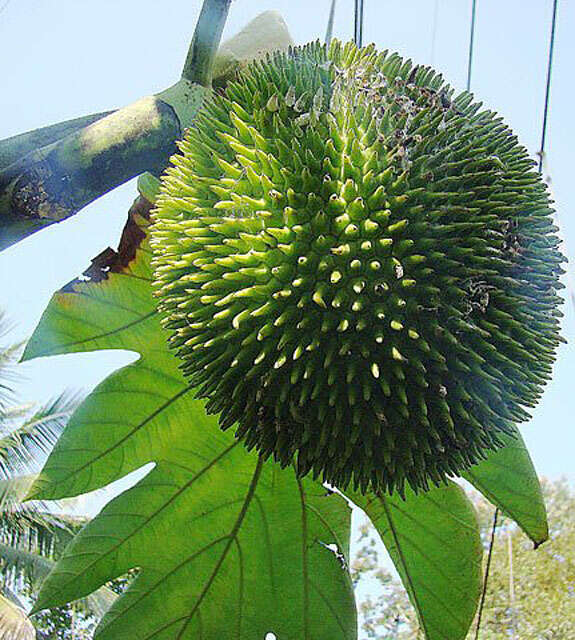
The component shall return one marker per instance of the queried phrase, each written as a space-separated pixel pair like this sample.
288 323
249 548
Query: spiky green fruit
357 269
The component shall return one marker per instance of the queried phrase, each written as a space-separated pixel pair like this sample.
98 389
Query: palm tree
32 534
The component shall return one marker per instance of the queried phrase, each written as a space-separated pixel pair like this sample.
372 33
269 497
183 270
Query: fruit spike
358 269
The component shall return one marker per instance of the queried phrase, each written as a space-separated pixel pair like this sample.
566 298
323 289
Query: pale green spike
240 318
358 286
265 332
298 351
341 250
280 361
343 325
273 104
351 231
397 355
318 298
261 357
355 265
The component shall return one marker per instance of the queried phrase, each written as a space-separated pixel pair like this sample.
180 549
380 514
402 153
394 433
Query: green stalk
54 182
12 149
202 52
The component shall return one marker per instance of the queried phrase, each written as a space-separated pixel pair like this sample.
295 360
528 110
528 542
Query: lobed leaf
507 478
433 540
226 545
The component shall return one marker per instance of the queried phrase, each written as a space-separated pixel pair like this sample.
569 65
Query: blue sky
64 58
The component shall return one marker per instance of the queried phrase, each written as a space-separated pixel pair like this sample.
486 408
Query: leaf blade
192 524
443 587
508 479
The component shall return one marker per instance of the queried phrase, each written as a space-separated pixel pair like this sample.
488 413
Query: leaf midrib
408 577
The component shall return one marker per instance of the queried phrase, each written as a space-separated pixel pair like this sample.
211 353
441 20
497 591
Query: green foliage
33 534
224 542
531 593
540 604
508 479
416 532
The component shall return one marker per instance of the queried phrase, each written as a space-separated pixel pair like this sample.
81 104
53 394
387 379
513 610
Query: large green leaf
433 540
227 546
508 479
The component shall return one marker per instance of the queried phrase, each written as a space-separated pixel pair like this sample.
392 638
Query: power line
486 578
548 86
358 26
496 514
541 156
471 42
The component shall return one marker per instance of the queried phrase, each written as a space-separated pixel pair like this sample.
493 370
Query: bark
53 183
80 163
14 148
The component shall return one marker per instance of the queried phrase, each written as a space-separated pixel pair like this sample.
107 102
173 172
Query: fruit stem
203 48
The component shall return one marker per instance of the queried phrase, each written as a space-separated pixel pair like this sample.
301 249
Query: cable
471 41
486 578
358 26
548 86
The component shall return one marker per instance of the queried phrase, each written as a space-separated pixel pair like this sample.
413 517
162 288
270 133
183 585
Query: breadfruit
358 270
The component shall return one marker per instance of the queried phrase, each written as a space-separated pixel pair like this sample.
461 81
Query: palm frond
17 564
13 597
24 447
43 532
8 357
14 623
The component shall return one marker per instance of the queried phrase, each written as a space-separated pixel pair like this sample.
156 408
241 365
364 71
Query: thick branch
14 148
207 36
55 181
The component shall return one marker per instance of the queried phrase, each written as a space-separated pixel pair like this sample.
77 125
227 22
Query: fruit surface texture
358 270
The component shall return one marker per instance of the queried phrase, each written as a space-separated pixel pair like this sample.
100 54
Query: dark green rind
358 268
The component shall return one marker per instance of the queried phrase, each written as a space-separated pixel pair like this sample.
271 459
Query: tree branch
12 149
54 182
207 36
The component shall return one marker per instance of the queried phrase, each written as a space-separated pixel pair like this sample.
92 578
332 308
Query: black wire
358 26
486 578
548 85
492 541
471 41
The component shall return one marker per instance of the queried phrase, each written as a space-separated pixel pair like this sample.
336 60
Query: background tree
530 593
33 534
